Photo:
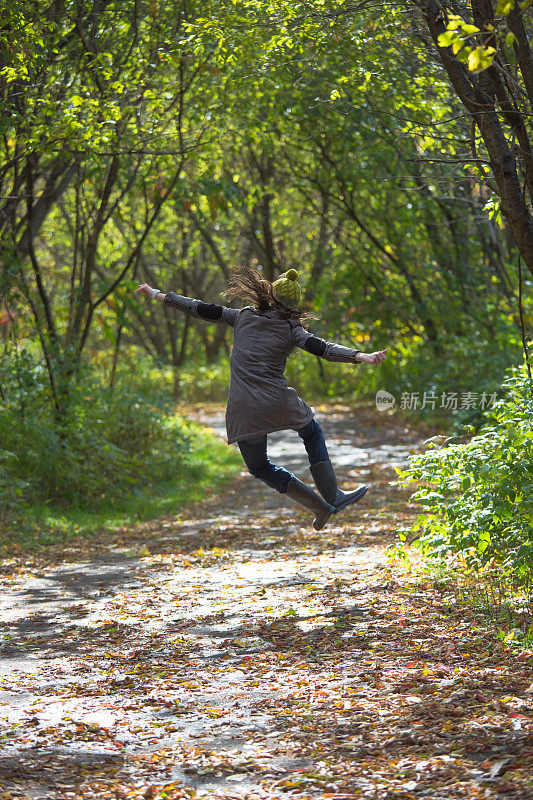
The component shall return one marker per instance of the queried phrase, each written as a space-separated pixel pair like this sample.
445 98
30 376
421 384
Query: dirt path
238 653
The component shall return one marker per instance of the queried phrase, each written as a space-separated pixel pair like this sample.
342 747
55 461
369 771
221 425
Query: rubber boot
306 497
326 483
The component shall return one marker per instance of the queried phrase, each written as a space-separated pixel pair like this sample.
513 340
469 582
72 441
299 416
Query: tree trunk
481 107
116 352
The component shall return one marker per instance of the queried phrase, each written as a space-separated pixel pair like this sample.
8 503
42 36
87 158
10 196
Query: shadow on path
243 654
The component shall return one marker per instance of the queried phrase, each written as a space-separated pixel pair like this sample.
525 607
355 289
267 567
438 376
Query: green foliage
13 490
478 47
85 79
352 165
205 382
479 493
468 364
208 464
108 443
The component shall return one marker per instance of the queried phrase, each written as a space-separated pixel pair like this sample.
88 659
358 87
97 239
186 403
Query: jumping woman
259 399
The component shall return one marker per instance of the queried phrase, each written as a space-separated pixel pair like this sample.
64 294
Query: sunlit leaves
504 7
107 79
473 46
494 209
447 38
480 58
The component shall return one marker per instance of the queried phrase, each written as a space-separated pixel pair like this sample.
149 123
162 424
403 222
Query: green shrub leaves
480 492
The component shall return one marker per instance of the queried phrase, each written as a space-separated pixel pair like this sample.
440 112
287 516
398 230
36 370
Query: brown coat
259 399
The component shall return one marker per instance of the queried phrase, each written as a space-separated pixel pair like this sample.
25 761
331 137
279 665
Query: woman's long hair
247 285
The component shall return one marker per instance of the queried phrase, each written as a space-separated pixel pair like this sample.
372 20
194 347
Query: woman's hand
372 358
144 288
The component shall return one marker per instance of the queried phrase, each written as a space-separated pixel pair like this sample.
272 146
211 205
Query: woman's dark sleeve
330 351
209 312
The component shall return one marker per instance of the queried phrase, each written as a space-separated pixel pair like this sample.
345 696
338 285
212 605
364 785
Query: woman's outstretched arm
209 312
331 351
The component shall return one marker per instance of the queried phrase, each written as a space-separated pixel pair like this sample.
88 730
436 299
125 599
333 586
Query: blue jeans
254 453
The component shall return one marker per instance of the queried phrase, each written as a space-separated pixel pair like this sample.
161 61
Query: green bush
13 490
479 493
207 382
107 443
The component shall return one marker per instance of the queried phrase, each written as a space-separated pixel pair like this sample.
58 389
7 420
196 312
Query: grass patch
209 464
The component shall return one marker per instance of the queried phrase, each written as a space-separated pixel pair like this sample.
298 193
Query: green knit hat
286 289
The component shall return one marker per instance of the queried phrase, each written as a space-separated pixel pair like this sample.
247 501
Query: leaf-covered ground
232 651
